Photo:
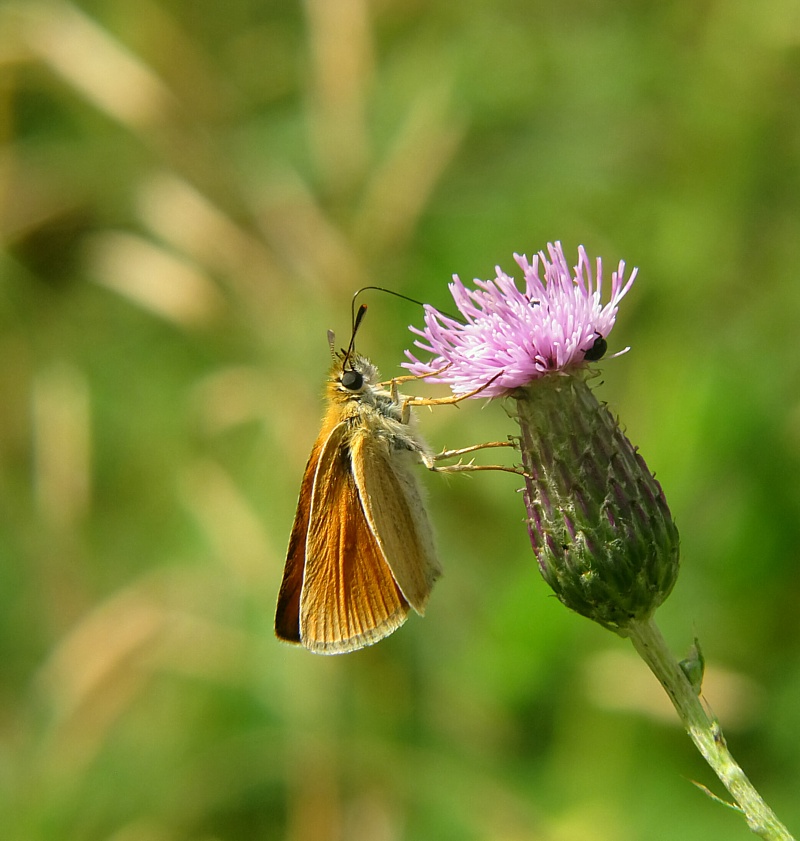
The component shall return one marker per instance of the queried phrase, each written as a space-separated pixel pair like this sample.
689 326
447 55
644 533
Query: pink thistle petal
517 336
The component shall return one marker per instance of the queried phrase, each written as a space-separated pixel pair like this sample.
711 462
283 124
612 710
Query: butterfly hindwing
392 501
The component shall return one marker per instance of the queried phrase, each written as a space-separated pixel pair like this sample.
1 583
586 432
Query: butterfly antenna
398 295
357 319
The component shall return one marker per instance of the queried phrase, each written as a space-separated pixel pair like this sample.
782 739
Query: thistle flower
514 336
598 520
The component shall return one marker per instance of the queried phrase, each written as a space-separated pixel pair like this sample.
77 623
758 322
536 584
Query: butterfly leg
408 377
452 400
430 461
445 454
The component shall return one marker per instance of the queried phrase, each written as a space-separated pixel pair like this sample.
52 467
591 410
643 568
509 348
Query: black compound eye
597 350
352 380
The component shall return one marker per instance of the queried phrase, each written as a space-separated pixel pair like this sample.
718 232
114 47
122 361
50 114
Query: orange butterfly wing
349 597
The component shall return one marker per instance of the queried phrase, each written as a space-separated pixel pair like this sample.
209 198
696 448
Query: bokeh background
191 193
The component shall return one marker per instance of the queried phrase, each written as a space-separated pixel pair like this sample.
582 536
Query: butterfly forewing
349 597
287 613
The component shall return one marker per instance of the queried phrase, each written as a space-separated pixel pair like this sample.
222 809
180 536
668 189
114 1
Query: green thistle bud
598 520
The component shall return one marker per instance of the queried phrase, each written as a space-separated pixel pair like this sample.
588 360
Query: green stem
704 729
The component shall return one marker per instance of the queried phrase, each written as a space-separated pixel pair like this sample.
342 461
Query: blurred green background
191 193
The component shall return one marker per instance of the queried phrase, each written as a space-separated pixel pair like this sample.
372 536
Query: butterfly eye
597 350
352 380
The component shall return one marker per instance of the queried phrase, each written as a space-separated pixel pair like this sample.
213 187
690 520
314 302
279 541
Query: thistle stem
704 729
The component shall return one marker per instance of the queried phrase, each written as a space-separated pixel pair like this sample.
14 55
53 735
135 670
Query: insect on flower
597 350
361 552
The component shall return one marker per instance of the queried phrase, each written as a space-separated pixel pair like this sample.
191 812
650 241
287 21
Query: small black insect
597 350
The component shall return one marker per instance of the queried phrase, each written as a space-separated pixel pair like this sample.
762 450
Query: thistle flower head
556 323
599 524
